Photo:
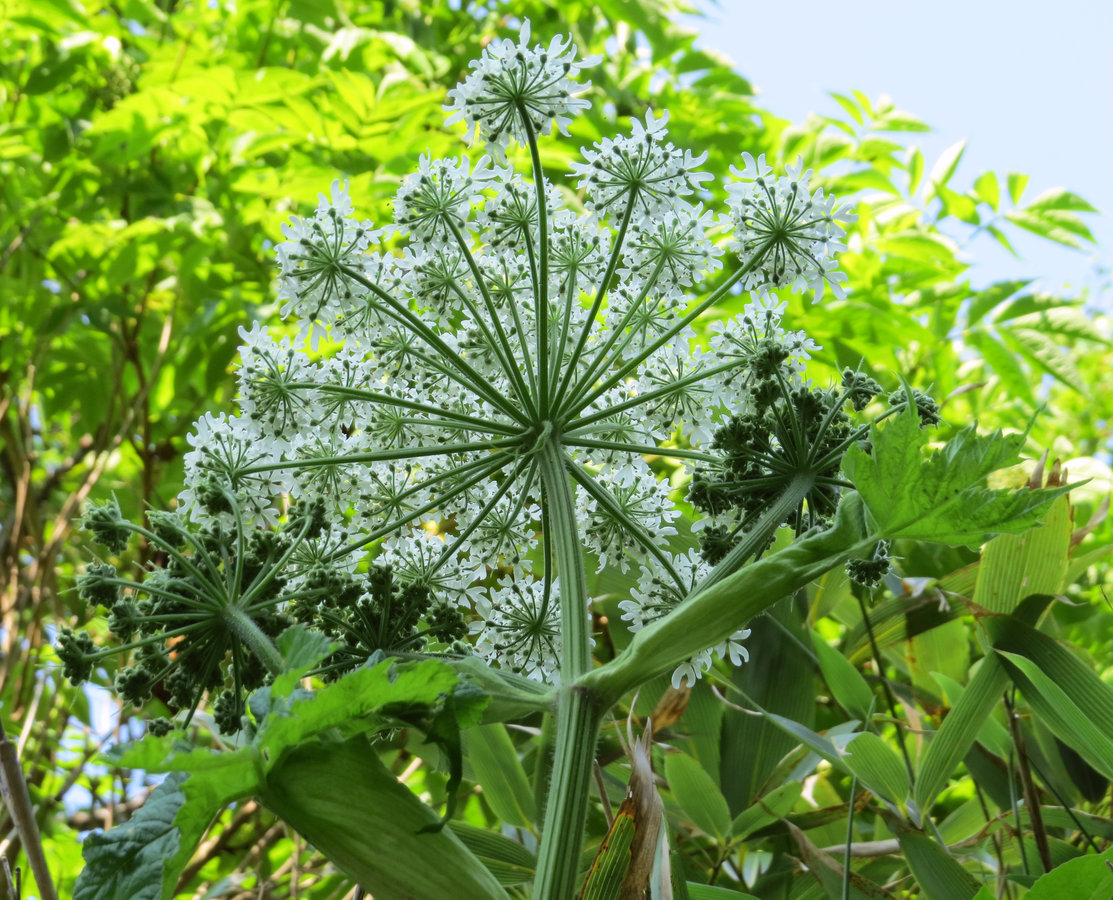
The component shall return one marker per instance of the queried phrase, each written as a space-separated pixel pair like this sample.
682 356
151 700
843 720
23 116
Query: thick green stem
558 862
251 635
578 716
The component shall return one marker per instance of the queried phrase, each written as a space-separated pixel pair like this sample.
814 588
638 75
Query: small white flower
439 195
519 628
642 168
517 89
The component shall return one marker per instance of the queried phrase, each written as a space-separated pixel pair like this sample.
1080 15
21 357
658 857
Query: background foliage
148 155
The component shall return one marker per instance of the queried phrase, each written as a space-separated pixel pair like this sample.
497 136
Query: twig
18 802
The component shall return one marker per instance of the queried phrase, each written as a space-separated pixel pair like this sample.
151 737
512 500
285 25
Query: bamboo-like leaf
1052 704
507 860
939 874
1063 668
697 795
959 730
830 871
848 687
499 771
1015 566
878 766
775 805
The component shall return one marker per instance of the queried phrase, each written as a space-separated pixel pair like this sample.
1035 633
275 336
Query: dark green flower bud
108 527
76 650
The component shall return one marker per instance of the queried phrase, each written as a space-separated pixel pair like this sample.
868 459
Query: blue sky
1030 85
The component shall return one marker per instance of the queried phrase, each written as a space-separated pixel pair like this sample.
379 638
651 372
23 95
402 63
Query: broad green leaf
992 734
959 730
878 766
847 685
945 166
130 859
499 771
1005 364
992 297
352 808
1045 353
391 691
697 795
941 497
1043 224
1085 878
751 746
1035 562
941 649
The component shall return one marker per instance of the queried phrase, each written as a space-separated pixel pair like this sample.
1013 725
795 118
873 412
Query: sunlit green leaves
941 496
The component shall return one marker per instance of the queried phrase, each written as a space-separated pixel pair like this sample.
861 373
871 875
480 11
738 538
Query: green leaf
1005 365
1016 181
988 190
697 795
343 800
941 497
775 805
1084 878
129 860
507 860
710 892
1061 198
499 771
848 687
945 166
878 766
1016 566
959 730
939 874
378 695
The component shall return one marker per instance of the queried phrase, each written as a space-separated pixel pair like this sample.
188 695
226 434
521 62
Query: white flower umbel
794 232
506 373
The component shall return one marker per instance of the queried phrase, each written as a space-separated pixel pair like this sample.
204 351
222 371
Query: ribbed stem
558 862
578 716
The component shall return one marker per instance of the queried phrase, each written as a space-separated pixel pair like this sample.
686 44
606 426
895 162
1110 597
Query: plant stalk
578 714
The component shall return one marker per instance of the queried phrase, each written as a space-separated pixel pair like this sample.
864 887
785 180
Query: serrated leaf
130 859
940 497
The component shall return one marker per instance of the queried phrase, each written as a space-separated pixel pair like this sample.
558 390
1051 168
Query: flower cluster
505 375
